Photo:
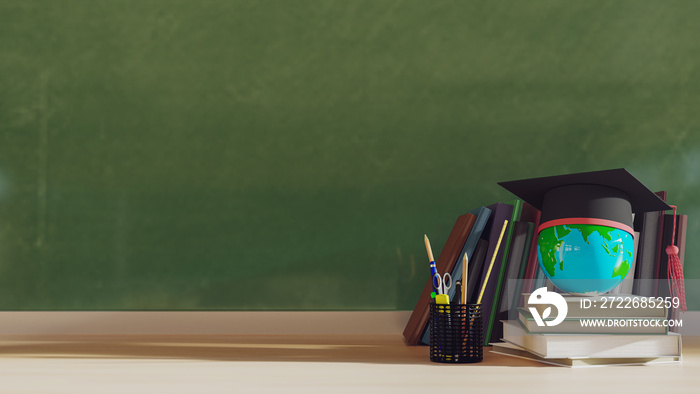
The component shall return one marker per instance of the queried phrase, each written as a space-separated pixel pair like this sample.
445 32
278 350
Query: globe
585 259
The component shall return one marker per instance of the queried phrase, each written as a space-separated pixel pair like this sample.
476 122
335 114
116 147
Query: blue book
482 217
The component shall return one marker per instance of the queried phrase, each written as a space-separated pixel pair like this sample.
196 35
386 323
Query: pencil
427 247
493 258
464 280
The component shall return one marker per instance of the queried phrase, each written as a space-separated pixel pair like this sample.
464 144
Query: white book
610 305
592 345
599 325
509 349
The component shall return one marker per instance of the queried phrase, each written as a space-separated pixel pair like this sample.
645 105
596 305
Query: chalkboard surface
290 155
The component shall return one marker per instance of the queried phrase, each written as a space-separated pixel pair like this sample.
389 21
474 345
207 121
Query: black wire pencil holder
456 333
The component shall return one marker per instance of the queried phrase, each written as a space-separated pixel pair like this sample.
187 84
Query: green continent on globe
621 269
549 243
604 232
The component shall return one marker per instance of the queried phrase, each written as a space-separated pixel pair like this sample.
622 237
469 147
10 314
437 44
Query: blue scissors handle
442 284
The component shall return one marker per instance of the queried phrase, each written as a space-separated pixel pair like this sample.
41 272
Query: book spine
523 265
660 248
648 248
475 266
532 260
509 282
681 230
502 212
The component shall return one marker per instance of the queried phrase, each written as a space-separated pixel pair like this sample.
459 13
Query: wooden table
302 364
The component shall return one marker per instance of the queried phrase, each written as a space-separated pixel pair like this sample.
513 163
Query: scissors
442 284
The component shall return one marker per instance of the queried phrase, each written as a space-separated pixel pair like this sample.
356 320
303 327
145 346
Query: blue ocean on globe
585 259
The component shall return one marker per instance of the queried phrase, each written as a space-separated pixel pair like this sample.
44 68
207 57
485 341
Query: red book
681 230
663 278
660 247
532 260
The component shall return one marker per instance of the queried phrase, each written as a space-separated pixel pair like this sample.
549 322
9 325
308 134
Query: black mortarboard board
610 195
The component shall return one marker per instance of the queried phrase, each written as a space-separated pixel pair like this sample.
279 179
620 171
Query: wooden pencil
428 248
464 280
493 258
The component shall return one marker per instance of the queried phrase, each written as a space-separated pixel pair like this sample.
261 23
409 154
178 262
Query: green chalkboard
290 155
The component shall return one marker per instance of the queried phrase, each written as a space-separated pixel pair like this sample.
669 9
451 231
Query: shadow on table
380 349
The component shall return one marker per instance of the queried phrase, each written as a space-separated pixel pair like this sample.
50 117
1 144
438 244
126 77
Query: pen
458 292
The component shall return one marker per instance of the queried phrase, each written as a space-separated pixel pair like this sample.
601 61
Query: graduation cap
606 198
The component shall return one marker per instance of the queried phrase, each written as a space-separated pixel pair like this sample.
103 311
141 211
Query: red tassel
675 269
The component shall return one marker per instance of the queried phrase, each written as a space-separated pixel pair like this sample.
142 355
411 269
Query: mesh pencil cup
456 333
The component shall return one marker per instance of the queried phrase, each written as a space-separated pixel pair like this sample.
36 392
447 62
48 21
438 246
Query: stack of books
597 331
